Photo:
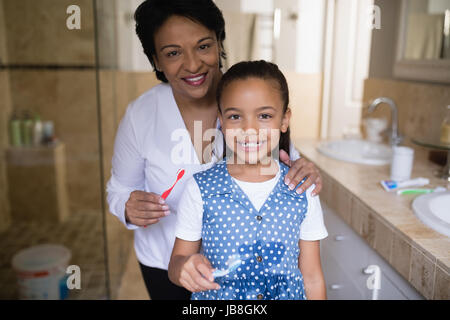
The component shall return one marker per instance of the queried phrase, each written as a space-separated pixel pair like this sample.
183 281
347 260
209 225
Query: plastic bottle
27 130
445 128
37 131
15 131
48 132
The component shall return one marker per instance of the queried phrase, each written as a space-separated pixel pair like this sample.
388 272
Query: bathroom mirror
423 46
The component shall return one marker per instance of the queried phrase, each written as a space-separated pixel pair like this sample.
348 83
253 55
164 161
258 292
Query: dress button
259 258
260 296
259 218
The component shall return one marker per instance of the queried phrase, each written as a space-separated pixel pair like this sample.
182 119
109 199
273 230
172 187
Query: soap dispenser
445 128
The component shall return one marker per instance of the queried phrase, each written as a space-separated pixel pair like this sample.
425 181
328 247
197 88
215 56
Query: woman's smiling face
252 117
188 54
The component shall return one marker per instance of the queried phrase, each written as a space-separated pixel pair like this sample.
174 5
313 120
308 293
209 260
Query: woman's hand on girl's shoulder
299 169
197 274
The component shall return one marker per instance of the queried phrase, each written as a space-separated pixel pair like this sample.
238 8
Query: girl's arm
189 269
311 268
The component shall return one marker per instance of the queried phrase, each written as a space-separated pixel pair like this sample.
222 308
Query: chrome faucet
395 138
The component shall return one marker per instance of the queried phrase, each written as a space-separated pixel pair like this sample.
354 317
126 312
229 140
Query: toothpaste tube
390 185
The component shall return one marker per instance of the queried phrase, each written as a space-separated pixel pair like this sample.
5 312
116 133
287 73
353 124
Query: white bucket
41 272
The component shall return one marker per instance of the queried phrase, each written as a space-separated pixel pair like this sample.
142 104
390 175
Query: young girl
242 208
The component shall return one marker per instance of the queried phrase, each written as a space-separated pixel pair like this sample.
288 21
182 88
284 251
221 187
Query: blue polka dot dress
266 240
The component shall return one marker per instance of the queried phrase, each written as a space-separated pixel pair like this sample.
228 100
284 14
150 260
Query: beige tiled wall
3 51
5 109
421 106
68 98
37 34
305 102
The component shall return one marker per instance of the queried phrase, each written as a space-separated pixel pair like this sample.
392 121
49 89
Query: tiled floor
82 234
132 285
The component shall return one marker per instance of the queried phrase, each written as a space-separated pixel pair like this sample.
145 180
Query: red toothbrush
166 193
180 174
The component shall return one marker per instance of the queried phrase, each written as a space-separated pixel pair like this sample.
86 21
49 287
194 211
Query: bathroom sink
434 210
357 151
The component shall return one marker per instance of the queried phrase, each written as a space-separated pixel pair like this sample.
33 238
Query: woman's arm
311 268
126 199
127 173
189 269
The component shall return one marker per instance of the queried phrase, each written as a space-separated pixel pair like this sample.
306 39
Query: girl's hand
300 169
196 274
145 208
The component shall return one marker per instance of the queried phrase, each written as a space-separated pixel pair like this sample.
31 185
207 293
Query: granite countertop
386 220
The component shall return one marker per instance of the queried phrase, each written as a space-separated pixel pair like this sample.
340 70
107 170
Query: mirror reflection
428 30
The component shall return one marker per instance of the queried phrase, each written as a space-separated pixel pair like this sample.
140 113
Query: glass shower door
52 228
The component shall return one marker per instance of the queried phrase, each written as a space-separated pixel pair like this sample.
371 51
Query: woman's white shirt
151 144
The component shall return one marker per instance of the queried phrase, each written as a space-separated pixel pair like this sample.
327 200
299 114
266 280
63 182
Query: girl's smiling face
188 54
252 117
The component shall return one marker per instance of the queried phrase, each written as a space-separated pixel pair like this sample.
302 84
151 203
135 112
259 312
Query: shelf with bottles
29 130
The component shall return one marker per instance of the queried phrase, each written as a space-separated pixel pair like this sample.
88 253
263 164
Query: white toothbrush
420 191
233 262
